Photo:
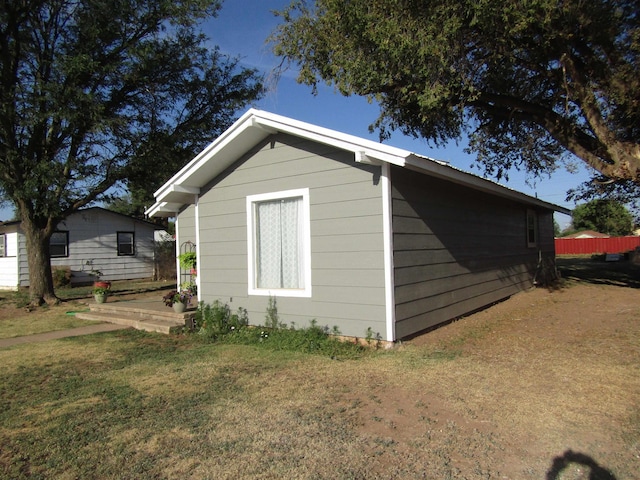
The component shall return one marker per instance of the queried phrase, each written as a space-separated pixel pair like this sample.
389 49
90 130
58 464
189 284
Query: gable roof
587 234
256 125
98 209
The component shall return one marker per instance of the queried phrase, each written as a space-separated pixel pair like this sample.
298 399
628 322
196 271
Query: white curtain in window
278 244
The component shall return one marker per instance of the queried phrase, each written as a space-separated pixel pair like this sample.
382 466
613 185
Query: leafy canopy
102 93
96 92
529 81
604 216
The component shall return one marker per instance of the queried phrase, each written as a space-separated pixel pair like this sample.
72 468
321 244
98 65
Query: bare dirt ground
544 385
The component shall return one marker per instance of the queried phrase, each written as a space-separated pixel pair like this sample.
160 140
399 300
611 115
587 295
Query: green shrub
61 276
218 323
21 298
213 321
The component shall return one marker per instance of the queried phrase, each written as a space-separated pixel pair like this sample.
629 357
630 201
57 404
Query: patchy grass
46 320
542 386
18 320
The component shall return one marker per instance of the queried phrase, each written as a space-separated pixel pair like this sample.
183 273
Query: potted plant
178 300
100 294
100 283
188 261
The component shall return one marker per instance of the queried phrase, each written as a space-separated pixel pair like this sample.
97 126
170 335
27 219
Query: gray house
350 232
92 239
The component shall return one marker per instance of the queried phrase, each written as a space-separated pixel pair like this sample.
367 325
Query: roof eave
256 125
445 171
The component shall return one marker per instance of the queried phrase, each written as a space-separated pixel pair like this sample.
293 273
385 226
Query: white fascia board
342 141
219 143
255 125
178 193
163 209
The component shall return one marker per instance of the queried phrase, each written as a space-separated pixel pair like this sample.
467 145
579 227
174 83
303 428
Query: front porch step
150 317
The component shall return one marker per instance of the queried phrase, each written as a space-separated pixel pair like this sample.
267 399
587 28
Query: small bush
61 276
21 298
218 323
214 321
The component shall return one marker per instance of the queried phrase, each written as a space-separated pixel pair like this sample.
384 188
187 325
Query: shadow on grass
599 272
596 471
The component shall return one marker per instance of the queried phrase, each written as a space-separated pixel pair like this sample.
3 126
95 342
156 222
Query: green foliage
61 276
96 94
271 319
217 320
604 216
373 338
218 323
21 298
529 82
188 260
625 193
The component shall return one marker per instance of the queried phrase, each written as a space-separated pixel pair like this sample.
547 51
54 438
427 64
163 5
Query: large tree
91 92
529 81
604 216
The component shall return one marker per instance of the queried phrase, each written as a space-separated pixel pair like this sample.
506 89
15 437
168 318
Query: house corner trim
389 284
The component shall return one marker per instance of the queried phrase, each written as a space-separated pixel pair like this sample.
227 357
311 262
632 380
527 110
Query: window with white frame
59 244
279 237
532 228
3 245
126 243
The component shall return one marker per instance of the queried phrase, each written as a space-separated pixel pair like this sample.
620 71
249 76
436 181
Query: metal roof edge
447 171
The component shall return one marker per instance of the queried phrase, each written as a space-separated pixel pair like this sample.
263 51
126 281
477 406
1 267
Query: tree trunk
40 277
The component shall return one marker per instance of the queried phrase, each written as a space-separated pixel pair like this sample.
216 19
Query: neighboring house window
532 228
279 237
3 245
126 243
59 245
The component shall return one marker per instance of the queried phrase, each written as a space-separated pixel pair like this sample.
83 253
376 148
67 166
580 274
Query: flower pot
179 307
100 297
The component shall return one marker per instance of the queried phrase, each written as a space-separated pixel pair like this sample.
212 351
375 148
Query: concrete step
137 322
149 316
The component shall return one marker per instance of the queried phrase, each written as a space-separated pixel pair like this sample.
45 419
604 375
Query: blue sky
242 28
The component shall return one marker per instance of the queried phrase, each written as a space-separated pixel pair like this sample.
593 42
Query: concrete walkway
72 332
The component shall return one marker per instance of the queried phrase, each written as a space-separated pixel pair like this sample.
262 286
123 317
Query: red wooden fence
574 246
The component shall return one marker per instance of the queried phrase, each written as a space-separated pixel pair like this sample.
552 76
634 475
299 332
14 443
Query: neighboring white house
90 240
350 232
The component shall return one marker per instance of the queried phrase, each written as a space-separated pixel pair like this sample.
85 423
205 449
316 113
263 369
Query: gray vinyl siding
186 226
23 261
93 246
457 250
347 263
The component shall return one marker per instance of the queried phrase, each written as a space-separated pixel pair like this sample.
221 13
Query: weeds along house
350 232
